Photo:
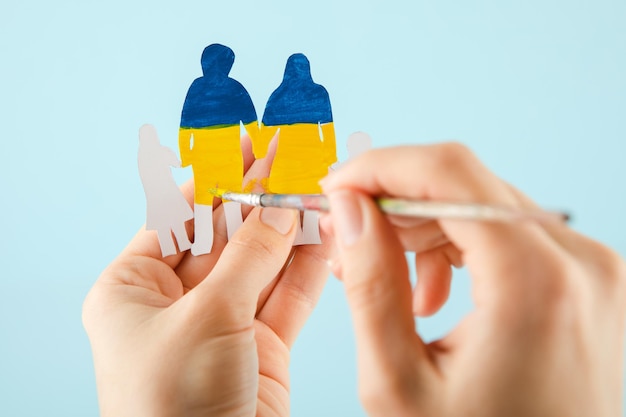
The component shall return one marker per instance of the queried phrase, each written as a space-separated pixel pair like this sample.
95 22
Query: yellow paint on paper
304 153
215 157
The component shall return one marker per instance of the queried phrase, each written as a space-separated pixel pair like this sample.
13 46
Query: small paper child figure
209 140
167 210
300 111
357 143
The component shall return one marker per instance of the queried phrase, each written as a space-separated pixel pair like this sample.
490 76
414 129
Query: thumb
376 279
252 258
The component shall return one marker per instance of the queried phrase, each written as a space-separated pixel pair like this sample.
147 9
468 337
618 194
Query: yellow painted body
304 153
215 157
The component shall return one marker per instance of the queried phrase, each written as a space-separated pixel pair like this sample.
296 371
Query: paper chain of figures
298 113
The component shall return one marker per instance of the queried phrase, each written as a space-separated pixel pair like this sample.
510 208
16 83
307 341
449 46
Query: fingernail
347 218
280 219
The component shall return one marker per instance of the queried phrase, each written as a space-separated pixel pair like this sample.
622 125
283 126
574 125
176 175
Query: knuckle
603 265
566 286
544 294
318 254
612 268
394 391
614 265
363 293
254 248
369 289
452 154
300 293
227 315
556 280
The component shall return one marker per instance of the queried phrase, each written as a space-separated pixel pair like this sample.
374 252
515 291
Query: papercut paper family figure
167 210
357 143
209 134
298 113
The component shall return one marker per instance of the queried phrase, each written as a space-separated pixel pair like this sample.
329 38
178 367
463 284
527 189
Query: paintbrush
401 207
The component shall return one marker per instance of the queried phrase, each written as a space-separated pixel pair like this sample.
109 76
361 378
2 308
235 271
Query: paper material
300 111
216 106
357 143
209 133
166 207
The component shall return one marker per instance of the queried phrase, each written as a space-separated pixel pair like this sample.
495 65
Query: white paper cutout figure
301 111
216 108
357 143
209 140
309 233
166 207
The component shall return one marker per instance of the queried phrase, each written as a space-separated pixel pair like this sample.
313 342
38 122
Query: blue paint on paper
215 99
298 99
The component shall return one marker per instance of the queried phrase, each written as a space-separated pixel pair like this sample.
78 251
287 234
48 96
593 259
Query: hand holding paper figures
208 335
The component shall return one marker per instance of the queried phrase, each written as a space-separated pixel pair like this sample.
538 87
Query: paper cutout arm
184 144
259 145
170 157
329 145
251 124
263 139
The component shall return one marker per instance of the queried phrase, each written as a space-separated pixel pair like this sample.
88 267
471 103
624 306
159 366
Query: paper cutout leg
181 237
166 242
166 207
203 229
234 218
310 232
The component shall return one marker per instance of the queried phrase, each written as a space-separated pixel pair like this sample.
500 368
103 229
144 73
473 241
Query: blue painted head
298 99
217 60
216 99
298 68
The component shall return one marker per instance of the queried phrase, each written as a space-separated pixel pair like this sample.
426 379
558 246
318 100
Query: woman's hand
207 335
546 335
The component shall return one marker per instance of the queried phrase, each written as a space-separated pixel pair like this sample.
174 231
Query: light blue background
537 88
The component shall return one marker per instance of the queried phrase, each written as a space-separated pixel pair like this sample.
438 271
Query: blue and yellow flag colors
300 111
210 125
216 105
